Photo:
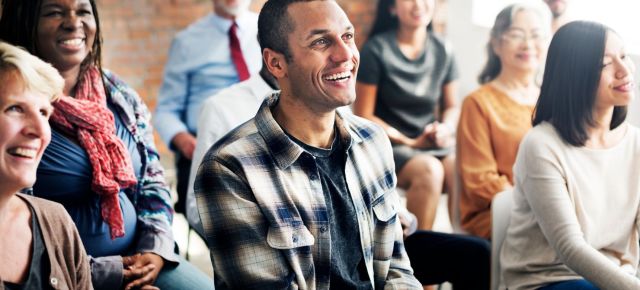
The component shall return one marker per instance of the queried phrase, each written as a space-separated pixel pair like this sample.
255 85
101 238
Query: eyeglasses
517 36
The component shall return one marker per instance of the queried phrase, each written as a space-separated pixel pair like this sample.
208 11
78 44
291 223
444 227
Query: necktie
236 53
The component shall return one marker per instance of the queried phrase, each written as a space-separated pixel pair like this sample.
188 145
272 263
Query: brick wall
137 35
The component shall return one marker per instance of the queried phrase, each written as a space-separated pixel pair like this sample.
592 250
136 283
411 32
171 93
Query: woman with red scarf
102 164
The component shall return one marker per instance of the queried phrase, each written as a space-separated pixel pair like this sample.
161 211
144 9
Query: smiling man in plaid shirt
302 196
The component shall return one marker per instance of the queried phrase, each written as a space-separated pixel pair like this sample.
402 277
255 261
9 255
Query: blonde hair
36 74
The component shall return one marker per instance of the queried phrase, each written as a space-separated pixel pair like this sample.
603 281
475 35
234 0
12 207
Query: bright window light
621 15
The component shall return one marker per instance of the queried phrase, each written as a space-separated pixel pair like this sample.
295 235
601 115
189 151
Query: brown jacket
69 262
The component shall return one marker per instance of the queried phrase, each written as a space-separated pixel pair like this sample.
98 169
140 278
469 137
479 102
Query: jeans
570 285
183 277
464 261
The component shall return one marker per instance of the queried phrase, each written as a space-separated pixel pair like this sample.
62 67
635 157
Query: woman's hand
439 135
423 141
141 270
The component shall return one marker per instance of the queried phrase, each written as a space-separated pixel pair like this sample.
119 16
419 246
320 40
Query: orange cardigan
489 131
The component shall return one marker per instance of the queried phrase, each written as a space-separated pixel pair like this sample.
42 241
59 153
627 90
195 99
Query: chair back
500 216
454 207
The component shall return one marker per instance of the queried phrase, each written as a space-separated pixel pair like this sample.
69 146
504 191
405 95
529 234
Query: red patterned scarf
88 118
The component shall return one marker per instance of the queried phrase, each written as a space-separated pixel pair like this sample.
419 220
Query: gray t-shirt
348 269
409 91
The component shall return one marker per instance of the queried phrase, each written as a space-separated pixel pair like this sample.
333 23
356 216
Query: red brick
137 35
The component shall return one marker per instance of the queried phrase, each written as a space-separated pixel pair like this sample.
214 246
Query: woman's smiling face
66 32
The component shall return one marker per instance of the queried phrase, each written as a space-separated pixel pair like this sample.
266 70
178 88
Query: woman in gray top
406 84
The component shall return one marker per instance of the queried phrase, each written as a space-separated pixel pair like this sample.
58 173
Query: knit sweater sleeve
543 180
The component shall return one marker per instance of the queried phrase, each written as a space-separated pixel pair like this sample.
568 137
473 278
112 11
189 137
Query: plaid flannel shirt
264 214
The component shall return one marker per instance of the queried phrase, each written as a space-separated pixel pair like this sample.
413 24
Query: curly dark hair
19 26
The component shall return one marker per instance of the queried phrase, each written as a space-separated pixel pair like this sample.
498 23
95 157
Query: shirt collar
284 150
223 24
258 86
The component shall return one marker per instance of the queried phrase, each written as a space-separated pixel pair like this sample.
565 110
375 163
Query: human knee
431 167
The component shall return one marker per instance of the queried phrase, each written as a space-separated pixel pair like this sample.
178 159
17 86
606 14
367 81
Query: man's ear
275 62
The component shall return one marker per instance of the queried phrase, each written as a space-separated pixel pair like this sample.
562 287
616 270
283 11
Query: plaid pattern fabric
261 203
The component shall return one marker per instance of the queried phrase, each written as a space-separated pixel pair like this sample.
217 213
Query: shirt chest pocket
295 243
384 210
289 237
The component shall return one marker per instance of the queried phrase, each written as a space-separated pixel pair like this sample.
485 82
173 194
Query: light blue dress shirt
198 66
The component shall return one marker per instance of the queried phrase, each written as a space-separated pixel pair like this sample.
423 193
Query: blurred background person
102 164
495 117
407 85
221 113
558 10
40 248
574 222
213 53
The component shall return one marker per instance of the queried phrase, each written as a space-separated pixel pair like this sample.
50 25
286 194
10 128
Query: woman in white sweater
574 224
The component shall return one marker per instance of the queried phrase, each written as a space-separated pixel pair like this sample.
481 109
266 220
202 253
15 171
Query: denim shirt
265 216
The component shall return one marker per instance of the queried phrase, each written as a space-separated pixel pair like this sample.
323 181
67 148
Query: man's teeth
74 42
338 76
24 152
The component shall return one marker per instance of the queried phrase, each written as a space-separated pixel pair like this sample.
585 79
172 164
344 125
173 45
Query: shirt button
54 281
295 239
323 229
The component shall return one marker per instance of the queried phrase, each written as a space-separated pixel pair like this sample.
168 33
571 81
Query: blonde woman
41 248
102 164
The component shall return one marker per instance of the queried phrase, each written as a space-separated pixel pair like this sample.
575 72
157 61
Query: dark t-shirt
409 90
348 269
39 268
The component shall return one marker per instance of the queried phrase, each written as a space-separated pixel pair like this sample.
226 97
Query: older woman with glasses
495 117
40 248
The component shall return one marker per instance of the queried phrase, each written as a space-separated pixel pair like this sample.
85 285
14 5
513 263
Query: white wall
469 42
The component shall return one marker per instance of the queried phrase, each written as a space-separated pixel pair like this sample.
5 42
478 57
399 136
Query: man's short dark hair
571 79
274 26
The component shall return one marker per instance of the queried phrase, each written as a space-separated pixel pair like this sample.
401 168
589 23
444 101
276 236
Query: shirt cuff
106 272
160 243
168 127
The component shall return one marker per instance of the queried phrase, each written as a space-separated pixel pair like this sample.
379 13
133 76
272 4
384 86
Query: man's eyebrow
325 31
317 32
